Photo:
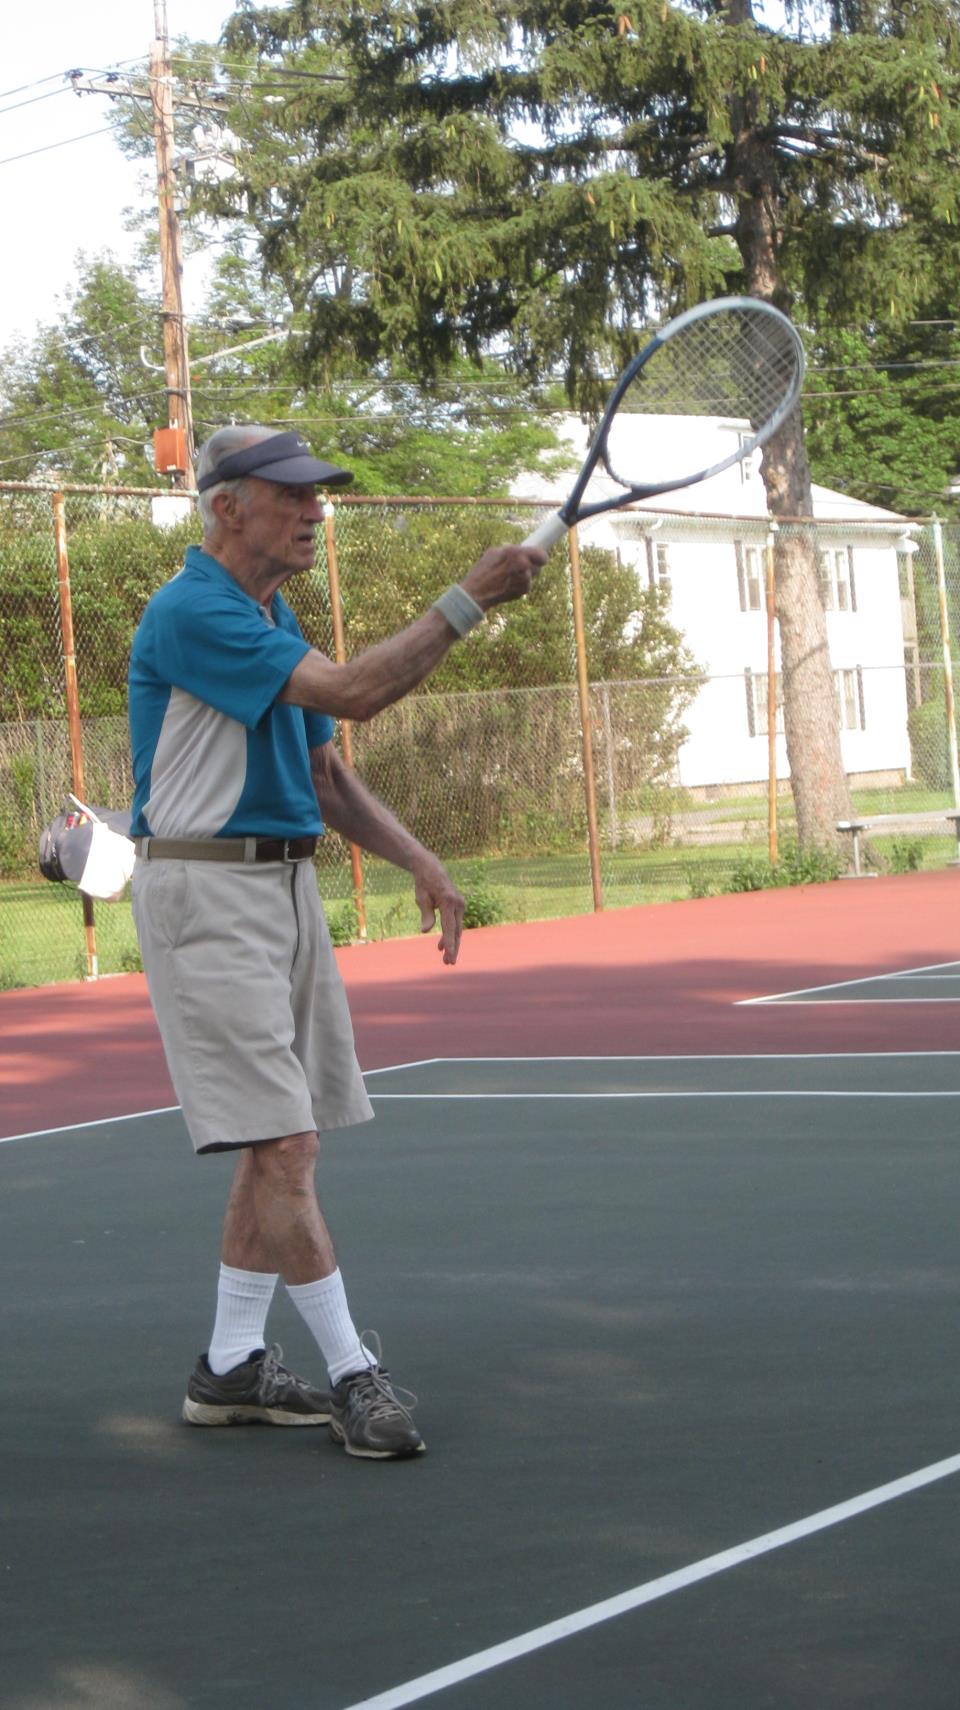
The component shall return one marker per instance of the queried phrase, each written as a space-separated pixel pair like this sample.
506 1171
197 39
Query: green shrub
929 749
700 883
344 925
484 903
906 855
796 866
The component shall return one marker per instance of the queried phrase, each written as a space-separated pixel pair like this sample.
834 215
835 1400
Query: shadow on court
643 1330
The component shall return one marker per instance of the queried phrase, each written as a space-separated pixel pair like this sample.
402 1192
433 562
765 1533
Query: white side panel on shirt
198 771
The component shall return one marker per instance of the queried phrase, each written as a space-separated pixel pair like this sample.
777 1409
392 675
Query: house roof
724 495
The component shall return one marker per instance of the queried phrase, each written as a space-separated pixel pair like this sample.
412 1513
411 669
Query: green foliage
891 436
484 904
453 188
906 855
116 561
76 401
929 748
343 924
796 866
77 404
700 883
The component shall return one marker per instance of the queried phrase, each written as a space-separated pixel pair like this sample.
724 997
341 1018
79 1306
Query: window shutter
741 578
853 580
751 708
860 699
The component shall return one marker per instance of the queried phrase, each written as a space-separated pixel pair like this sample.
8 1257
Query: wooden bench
856 828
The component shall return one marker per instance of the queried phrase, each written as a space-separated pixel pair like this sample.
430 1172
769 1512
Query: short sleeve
221 650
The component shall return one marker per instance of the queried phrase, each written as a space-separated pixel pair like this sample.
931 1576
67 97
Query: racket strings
737 368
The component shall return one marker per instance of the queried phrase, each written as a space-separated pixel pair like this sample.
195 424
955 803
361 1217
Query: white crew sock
243 1301
323 1307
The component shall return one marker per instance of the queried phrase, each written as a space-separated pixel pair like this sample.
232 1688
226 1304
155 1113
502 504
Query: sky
73 198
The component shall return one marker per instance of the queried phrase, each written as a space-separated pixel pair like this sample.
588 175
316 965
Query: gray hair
214 451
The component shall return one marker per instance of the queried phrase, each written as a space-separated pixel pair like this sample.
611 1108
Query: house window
757 687
750 577
658 566
838 589
850 702
746 464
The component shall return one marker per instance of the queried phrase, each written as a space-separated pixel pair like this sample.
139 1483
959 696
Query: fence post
583 695
773 847
73 705
613 815
947 661
346 726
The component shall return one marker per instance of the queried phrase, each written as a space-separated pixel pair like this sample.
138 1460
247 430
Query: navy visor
284 457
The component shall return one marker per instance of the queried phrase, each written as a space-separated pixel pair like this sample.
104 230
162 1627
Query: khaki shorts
248 998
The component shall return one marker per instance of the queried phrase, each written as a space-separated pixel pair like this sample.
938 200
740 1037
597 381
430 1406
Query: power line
7 422
38 82
15 108
63 143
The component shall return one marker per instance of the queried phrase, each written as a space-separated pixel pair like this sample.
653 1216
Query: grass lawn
41 924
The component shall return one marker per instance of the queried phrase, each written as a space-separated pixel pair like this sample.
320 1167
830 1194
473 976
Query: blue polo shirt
215 754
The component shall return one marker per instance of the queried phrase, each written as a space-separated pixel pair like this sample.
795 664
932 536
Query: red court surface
632 982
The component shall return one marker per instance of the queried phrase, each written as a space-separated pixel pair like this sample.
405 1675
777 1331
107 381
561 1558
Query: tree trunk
818 780
821 793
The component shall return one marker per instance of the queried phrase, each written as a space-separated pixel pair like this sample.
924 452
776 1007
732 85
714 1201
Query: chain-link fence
616 738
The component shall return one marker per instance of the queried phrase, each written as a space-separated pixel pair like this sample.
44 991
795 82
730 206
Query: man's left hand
436 894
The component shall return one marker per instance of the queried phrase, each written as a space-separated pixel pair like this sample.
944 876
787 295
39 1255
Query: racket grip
547 533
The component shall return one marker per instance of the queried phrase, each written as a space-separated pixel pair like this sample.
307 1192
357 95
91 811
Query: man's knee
289 1158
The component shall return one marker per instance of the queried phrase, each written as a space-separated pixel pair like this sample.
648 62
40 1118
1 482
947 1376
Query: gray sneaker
368 1418
260 1392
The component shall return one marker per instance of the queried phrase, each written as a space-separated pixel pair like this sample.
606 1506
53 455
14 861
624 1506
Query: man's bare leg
273 1220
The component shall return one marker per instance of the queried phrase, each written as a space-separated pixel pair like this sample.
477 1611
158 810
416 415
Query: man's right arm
387 671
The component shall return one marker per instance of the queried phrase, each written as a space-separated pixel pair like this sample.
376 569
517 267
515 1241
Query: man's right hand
503 573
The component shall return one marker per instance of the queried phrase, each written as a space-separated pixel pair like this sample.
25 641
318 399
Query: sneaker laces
279 1378
374 1381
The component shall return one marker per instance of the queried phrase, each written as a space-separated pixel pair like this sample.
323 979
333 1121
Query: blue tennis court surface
684 1333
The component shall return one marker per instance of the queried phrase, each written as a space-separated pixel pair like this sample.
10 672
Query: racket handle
547 533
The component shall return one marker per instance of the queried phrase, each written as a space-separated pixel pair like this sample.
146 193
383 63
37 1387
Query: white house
706 545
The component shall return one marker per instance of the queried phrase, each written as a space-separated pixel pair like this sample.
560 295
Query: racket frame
572 511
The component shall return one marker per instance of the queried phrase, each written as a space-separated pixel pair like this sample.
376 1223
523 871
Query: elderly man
231 715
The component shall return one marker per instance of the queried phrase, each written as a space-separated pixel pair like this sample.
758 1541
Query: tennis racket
736 363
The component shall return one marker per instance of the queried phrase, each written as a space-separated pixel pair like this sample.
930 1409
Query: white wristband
460 610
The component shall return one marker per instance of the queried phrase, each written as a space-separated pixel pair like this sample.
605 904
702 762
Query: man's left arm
347 806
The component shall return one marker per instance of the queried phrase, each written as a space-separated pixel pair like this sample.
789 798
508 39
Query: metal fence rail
585 748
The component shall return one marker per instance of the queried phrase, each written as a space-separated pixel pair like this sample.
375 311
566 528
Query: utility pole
178 458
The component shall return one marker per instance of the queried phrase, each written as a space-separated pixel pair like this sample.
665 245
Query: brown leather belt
246 849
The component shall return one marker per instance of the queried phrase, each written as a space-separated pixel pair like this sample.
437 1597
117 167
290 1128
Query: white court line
686 1092
838 985
169 1109
539 1637
697 1056
391 1068
827 1003
661 1057
102 1122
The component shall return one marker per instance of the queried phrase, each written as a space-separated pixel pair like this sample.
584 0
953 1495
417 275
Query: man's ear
226 507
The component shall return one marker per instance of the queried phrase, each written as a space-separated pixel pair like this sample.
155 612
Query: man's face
280 526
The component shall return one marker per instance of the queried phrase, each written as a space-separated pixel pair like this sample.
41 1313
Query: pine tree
539 179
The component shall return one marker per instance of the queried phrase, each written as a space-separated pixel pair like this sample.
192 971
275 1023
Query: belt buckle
286 857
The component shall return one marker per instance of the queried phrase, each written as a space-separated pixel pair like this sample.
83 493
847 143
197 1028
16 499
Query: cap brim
303 471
